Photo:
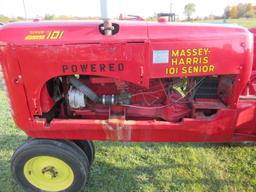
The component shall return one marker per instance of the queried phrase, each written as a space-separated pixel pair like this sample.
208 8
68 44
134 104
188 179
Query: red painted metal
141 56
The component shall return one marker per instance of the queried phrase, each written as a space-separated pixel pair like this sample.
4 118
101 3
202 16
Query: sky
85 8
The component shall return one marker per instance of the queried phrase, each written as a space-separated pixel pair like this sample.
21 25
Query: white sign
160 56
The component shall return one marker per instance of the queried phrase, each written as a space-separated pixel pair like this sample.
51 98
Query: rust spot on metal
118 130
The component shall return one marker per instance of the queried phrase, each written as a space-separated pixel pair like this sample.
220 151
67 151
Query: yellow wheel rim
48 173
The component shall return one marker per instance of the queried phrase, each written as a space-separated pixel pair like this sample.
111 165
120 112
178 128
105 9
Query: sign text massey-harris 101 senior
189 61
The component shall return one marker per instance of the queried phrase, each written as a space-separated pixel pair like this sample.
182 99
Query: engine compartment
166 99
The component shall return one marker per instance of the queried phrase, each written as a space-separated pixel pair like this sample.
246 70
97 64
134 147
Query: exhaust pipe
107 24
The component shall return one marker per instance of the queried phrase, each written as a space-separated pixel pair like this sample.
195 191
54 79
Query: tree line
5 19
241 10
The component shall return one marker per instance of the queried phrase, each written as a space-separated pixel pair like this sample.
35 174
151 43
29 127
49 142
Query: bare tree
227 11
241 10
189 9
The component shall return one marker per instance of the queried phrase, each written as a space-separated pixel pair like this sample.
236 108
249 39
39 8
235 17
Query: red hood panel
66 32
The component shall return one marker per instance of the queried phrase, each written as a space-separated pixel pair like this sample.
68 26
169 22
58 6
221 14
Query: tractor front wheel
50 165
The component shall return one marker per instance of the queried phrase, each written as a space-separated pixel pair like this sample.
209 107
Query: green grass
249 23
148 167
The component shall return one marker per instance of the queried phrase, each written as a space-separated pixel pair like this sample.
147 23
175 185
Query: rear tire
49 165
88 148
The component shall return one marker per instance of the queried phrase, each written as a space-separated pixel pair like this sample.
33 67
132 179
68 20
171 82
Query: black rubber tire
80 151
88 148
54 148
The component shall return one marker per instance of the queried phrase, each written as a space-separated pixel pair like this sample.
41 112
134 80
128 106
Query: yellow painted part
48 173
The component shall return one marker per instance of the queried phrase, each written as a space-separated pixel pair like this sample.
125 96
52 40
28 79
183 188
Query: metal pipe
25 10
104 10
107 27
105 99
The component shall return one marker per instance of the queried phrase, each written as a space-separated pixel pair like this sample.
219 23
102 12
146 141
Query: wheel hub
50 172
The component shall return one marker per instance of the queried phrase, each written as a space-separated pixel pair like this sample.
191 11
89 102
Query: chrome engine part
76 98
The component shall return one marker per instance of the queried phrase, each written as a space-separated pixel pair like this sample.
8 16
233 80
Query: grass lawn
249 23
156 167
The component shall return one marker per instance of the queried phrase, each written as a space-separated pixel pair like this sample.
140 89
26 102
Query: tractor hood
77 32
68 32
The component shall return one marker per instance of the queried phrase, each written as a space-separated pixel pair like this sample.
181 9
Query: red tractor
73 82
